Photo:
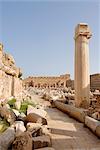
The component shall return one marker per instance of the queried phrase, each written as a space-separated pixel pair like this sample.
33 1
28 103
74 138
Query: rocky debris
41 141
7 114
23 142
96 115
40 112
19 127
16 112
94 109
35 118
35 129
6 138
33 126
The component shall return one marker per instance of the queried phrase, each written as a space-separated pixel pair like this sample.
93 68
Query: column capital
82 29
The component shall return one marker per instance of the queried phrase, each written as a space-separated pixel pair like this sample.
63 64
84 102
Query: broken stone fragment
19 127
96 115
91 123
16 112
98 130
23 142
6 138
7 114
35 118
45 130
41 141
40 112
32 126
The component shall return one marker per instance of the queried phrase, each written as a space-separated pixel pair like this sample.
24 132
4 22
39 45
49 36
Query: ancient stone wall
95 81
47 82
56 81
10 82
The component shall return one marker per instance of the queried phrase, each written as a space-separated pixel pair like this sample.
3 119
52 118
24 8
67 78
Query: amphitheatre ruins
51 112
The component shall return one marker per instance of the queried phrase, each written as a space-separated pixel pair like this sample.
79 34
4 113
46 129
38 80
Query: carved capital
82 29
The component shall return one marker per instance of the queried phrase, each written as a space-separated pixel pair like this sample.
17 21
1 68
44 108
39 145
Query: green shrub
11 102
24 106
3 125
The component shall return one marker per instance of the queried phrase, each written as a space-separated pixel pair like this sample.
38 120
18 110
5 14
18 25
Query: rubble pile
67 96
94 109
23 125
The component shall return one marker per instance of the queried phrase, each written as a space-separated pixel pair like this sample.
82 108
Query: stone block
91 123
40 112
6 138
41 141
35 118
98 130
23 142
19 127
77 113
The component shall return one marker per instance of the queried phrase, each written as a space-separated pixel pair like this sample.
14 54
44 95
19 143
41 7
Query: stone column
82 78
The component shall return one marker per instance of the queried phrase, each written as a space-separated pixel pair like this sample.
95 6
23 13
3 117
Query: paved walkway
68 134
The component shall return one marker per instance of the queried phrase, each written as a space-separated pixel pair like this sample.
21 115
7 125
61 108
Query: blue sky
39 34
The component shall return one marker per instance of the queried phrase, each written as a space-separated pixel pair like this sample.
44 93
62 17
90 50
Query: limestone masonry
57 82
10 82
48 82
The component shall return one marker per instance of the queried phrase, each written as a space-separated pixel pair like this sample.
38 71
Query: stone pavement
68 134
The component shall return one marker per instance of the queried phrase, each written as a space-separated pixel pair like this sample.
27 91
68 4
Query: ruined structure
82 80
10 82
47 82
95 81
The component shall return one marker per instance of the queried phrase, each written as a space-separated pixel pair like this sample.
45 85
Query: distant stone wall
60 81
10 82
95 81
70 83
47 82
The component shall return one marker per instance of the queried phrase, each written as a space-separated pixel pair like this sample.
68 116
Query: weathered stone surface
96 115
23 142
34 128
82 80
16 112
47 82
7 114
41 141
95 81
40 112
74 112
7 138
35 118
10 82
19 127
91 123
98 130
31 126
